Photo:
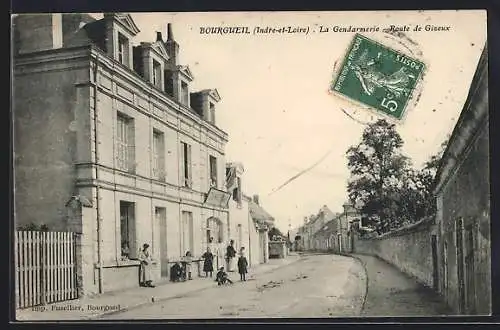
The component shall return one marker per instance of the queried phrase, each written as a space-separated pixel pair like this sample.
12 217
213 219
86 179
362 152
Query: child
188 259
222 277
242 265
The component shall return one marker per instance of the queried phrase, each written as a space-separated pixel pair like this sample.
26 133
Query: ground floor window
127 230
214 230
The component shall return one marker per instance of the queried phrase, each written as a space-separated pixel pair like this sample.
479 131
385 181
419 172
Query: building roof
328 228
260 215
471 117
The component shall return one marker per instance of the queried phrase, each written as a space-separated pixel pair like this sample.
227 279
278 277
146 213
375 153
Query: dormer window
123 49
157 73
184 93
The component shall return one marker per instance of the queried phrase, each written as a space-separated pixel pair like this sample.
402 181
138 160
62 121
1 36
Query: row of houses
329 231
110 143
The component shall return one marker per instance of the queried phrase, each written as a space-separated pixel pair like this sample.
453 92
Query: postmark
378 77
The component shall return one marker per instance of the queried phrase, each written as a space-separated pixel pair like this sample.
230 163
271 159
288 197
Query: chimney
172 47
159 36
256 199
170 33
37 32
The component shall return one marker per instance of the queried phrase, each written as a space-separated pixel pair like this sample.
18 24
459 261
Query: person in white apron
146 267
231 257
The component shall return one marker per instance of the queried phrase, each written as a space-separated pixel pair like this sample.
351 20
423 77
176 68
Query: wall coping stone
420 225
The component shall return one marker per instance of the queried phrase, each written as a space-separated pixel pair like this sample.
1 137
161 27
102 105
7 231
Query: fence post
43 266
78 263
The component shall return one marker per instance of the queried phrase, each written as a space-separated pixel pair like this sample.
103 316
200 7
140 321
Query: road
314 286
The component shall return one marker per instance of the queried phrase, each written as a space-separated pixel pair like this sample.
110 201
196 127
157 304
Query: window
212 113
186 165
214 231
125 143
188 232
213 171
157 81
237 192
184 93
158 155
127 230
123 49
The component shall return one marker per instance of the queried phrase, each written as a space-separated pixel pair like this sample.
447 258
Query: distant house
462 250
326 237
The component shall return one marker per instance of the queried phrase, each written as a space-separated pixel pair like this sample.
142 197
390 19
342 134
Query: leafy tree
275 233
423 180
384 185
378 168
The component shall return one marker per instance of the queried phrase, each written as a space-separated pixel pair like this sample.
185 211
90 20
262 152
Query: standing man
146 260
230 256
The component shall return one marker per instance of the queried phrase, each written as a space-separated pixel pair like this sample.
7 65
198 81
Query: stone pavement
119 301
393 293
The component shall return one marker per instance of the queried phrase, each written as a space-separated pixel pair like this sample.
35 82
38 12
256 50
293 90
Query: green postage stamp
377 76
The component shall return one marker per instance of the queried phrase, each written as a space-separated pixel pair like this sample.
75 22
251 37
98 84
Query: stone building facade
244 230
463 238
101 120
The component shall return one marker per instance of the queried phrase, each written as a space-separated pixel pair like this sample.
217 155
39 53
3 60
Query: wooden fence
45 267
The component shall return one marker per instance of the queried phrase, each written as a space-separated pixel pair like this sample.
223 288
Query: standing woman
230 256
145 259
208 262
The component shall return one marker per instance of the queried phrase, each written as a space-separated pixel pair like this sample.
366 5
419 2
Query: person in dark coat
222 278
208 262
176 272
242 265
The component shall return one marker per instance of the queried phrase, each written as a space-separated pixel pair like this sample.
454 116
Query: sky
276 107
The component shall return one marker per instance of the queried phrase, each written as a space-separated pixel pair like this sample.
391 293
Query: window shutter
130 141
162 157
189 165
181 168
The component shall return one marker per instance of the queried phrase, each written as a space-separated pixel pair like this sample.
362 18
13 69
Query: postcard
250 165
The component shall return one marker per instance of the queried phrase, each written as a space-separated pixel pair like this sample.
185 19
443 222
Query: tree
275 233
423 179
384 185
378 169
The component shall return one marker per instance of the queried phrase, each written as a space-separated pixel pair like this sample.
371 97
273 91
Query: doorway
469 271
339 239
161 220
188 232
435 271
460 265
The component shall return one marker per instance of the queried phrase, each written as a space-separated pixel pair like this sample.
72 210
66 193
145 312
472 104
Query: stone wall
408 248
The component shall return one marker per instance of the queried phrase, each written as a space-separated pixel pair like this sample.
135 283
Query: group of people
222 276
178 272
